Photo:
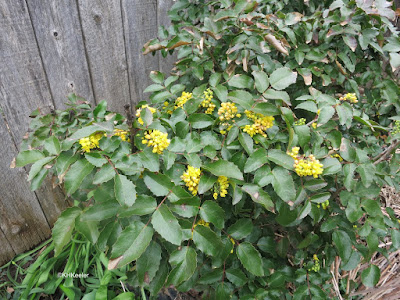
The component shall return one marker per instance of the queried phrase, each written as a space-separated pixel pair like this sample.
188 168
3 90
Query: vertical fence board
104 41
22 219
58 33
6 251
140 23
166 63
23 83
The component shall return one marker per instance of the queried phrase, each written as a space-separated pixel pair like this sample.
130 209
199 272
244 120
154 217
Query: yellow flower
299 122
233 243
156 139
123 134
207 97
180 101
152 109
91 142
227 111
261 124
192 178
338 156
294 152
316 266
308 167
318 111
223 185
314 125
351 97
325 205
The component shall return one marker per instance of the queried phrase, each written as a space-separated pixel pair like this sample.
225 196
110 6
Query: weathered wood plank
22 219
166 64
6 251
59 36
103 34
23 82
140 24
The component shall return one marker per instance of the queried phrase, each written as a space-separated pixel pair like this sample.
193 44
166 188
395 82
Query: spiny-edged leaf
158 184
304 134
277 95
241 81
210 211
75 175
165 223
125 190
315 184
395 234
326 114
320 198
159 280
64 160
88 130
105 174
149 160
286 215
207 240
224 168
370 276
283 184
28 157
250 258
148 263
130 245
63 228
52 145
143 205
258 195
281 78
243 98
185 268
256 160
199 121
241 229
95 159
236 276
281 158
247 142
90 229
343 244
100 211
308 105
266 108
261 80
38 165
206 183
367 173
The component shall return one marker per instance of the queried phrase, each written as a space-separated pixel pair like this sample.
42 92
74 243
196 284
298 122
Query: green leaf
159 280
74 177
308 105
206 183
210 211
165 223
320 198
283 184
241 81
143 205
148 263
353 210
246 141
370 276
64 160
158 184
199 121
157 77
95 159
315 184
281 78
343 244
303 133
241 229
250 258
149 160
89 229
243 98
105 174
395 234
236 276
130 245
63 228
28 157
345 113
100 211
125 190
261 80
258 195
256 160
52 145
325 115
277 95
267 109
224 168
281 158
153 88
214 79
367 173
206 240
38 165
88 130
185 268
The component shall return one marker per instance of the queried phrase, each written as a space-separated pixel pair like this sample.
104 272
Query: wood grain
166 64
58 32
103 34
6 251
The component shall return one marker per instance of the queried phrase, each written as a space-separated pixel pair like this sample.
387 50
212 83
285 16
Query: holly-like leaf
283 184
125 190
28 157
74 177
250 258
148 263
62 230
343 244
165 223
256 160
210 211
281 78
224 168
184 267
281 158
158 184
206 240
241 229
370 276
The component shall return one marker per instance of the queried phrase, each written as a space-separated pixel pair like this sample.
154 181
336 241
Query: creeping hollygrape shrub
254 169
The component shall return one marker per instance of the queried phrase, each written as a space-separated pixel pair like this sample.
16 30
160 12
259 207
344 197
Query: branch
382 156
132 130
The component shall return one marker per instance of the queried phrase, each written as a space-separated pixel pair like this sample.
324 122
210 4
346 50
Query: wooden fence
48 49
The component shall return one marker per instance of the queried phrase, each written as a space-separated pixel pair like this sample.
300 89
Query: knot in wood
97 18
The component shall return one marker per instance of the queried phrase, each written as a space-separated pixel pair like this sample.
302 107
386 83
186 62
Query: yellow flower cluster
225 131
223 185
192 178
152 109
351 97
180 101
294 152
123 134
207 96
261 124
308 167
228 111
299 122
314 125
202 223
316 266
337 156
91 142
156 139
